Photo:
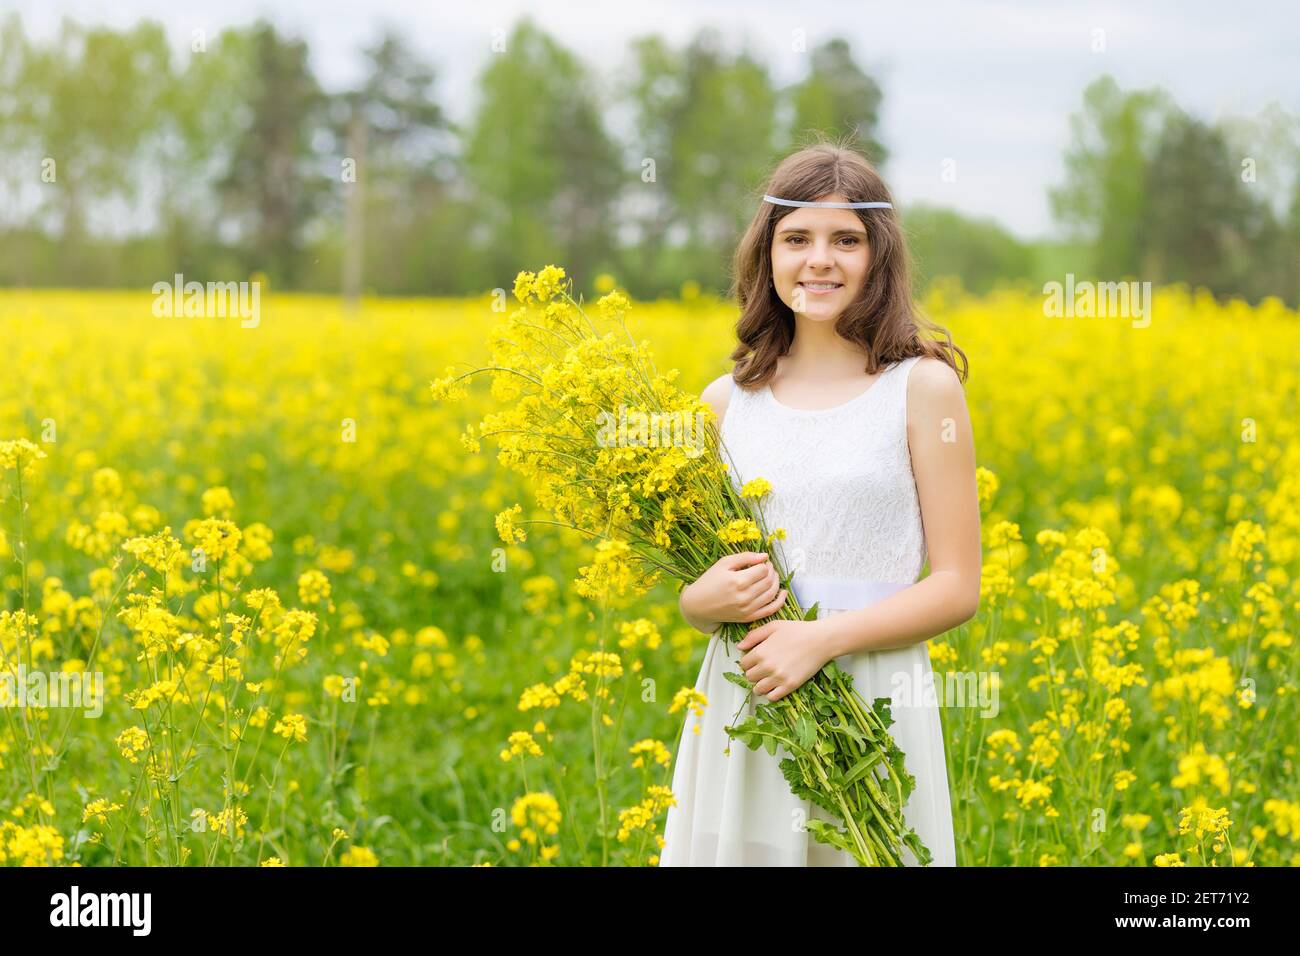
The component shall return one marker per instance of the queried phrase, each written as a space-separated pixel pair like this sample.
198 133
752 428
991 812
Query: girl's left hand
785 654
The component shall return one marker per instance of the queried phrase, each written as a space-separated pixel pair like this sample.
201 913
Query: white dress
844 492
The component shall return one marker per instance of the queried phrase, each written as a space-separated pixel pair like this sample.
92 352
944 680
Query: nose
819 254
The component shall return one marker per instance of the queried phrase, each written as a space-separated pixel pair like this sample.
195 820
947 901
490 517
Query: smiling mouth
822 286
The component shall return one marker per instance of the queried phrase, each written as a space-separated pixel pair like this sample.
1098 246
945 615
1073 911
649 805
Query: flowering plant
614 449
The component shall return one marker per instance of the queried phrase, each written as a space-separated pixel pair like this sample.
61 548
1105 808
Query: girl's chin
820 315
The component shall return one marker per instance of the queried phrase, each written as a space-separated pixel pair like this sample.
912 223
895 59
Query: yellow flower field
314 644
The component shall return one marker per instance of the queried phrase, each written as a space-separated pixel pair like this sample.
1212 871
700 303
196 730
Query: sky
984 89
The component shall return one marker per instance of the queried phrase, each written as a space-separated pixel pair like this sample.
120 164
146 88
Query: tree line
124 163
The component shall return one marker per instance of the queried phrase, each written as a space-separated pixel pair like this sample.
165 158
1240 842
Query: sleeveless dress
843 490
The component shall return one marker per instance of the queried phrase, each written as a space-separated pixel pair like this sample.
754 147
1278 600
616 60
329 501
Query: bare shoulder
931 380
934 390
717 393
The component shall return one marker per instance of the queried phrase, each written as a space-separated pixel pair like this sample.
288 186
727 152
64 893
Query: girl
860 425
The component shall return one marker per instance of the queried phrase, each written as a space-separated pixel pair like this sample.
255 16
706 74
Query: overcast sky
987 84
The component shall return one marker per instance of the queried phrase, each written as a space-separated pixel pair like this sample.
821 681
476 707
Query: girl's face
819 260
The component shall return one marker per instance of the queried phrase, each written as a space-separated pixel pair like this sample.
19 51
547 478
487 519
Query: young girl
860 425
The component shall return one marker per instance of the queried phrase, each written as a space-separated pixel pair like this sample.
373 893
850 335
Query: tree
190 147
275 182
654 86
1200 224
1102 197
838 98
544 173
75 91
979 251
398 136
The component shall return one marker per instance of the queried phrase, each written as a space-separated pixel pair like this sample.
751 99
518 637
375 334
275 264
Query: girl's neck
817 349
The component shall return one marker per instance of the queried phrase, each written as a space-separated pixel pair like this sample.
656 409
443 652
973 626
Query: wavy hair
883 319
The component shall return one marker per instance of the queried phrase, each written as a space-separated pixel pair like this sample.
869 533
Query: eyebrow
837 232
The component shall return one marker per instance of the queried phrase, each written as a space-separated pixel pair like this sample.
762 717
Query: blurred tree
1266 147
706 120
1105 165
837 99
191 147
1289 249
15 121
654 87
723 148
276 180
543 172
1200 224
944 242
76 120
19 162
403 145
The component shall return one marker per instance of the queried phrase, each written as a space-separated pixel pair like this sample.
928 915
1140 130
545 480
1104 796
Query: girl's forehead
816 219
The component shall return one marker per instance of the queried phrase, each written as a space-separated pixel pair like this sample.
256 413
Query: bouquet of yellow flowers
615 450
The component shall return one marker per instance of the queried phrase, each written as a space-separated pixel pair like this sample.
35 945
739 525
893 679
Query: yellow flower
1003 533
691 699
217 537
521 743
217 502
506 528
756 488
740 530
612 306
653 749
549 283
313 587
524 285
99 809
291 727
19 453
986 484
537 815
359 856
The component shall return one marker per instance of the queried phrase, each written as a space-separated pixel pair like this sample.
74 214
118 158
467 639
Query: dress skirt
736 808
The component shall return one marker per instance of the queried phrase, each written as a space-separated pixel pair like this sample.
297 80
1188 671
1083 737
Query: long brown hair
882 319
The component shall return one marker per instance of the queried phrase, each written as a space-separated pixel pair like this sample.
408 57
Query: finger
763 592
777 694
760 587
768 609
759 671
747 578
746 558
755 636
765 685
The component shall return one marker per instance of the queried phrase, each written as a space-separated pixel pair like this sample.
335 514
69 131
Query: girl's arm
943 464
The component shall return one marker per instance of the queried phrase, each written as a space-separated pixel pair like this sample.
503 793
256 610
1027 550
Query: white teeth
820 285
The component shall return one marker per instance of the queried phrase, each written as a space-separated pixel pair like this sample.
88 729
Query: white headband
830 205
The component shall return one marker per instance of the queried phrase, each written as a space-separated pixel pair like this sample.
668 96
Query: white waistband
841 594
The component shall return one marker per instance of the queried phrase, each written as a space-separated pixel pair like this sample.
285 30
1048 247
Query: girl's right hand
738 588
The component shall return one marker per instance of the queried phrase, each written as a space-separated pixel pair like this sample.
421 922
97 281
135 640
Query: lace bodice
842 482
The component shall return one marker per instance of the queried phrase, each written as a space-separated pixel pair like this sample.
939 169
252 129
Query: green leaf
738 680
805 732
861 768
